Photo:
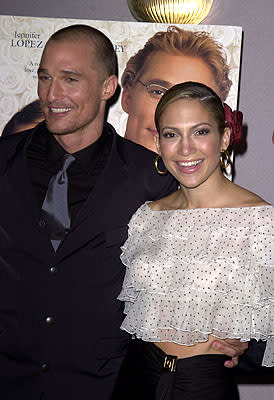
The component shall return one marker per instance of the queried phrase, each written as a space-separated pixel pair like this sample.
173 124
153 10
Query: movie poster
23 39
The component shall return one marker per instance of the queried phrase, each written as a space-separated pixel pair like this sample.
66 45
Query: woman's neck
207 195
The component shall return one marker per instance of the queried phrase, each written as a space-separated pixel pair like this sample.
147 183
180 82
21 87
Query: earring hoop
225 160
157 158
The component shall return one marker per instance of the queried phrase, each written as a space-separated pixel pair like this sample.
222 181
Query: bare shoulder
169 202
242 197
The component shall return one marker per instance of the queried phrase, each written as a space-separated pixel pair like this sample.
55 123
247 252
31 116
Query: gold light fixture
170 11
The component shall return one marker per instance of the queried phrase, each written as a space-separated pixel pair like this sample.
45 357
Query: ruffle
200 272
187 317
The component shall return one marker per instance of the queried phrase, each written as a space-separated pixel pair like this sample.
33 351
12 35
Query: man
59 314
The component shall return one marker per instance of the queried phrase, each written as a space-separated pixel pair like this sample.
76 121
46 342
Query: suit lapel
97 213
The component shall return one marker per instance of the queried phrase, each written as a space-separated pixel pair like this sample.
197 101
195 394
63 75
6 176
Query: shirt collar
88 155
45 147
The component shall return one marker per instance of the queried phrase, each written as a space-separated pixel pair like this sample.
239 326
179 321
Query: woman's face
190 143
166 70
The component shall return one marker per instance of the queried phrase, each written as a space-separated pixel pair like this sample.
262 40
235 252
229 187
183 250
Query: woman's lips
189 166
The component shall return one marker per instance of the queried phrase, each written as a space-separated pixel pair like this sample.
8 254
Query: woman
166 59
200 261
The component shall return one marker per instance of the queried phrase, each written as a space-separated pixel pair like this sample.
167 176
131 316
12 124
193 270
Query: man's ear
109 87
126 98
225 139
156 139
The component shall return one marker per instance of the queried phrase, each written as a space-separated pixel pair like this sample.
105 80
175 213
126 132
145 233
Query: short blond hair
176 40
103 46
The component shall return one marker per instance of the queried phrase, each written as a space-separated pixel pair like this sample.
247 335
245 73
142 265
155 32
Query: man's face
70 87
166 70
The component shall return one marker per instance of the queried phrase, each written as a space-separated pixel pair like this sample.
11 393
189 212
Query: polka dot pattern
196 272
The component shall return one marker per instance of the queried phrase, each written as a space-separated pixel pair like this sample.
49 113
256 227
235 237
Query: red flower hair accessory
233 120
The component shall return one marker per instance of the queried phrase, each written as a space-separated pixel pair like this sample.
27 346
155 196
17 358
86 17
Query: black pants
144 376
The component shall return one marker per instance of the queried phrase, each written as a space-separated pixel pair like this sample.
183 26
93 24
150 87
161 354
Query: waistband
172 363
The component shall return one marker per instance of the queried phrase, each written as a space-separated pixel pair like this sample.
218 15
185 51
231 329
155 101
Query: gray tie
55 209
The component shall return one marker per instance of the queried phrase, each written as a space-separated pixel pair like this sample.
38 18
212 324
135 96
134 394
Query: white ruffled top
196 272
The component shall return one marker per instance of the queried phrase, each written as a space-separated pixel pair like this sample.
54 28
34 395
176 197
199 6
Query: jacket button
42 223
45 367
53 270
49 320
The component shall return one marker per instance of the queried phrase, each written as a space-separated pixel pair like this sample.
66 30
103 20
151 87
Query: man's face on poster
166 70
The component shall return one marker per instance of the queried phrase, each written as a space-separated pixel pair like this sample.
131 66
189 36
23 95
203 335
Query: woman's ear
109 87
156 138
225 139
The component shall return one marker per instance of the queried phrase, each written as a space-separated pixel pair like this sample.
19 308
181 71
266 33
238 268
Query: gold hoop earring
225 159
157 158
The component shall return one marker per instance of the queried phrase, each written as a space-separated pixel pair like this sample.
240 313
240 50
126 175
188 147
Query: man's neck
79 140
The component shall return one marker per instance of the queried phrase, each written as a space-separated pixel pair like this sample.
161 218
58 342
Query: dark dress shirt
45 158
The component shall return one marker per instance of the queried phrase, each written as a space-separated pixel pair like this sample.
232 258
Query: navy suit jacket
59 313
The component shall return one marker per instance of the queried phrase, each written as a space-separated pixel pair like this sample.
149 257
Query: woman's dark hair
30 114
193 91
